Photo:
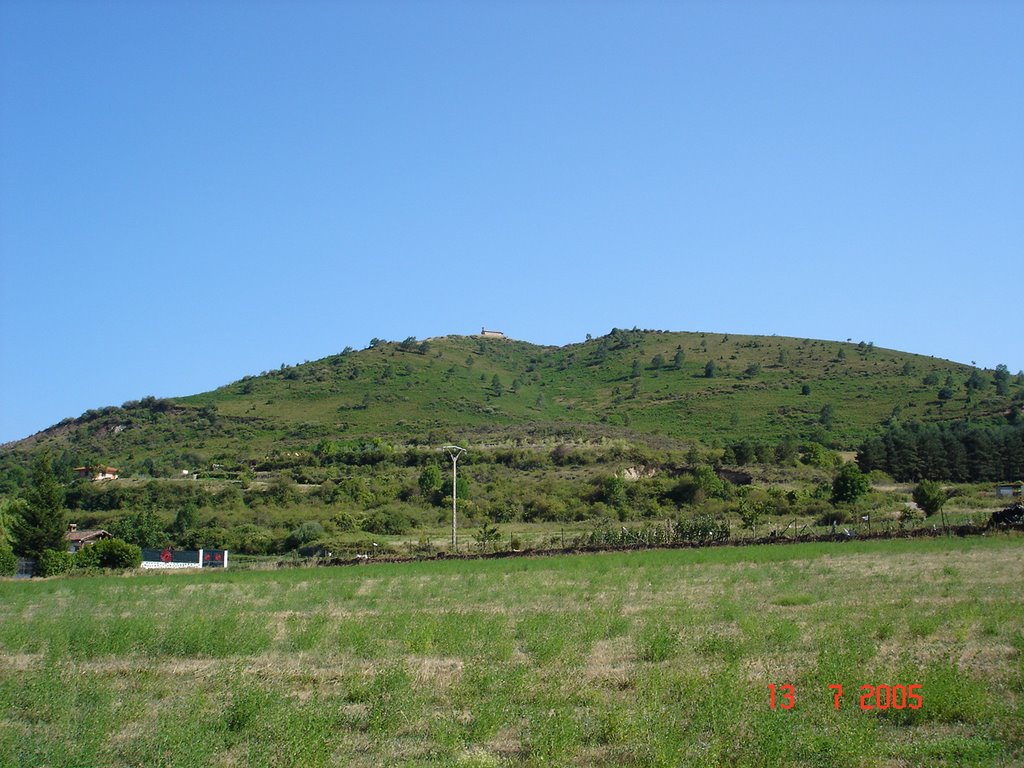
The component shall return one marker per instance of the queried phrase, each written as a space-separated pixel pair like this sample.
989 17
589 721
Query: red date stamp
872 697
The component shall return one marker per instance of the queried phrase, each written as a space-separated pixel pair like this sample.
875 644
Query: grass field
643 658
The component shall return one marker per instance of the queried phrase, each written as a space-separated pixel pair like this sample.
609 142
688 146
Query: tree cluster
958 453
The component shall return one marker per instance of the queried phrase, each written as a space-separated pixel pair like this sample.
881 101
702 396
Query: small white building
491 334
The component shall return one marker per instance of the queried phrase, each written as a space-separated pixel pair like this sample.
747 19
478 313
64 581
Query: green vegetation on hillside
632 427
763 387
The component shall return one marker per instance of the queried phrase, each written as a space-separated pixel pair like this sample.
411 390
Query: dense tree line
957 453
88 496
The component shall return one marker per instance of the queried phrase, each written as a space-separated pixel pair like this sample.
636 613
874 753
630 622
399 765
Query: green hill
633 427
649 387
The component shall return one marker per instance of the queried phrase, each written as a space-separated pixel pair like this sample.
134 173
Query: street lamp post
455 452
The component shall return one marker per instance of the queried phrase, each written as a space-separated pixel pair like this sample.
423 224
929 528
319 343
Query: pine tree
41 526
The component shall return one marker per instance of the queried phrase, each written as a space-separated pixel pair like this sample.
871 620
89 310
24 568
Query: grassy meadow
651 658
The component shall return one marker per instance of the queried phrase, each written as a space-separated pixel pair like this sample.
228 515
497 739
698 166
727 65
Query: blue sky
195 191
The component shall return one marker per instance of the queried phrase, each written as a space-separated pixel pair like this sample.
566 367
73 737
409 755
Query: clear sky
193 191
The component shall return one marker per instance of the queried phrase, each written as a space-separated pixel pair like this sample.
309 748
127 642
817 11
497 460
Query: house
97 473
78 539
491 334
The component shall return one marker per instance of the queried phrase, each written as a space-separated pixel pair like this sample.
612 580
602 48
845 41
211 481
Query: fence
171 558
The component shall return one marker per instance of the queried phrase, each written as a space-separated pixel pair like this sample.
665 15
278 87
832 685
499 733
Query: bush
833 515
849 485
504 511
109 553
817 455
387 522
54 562
248 538
8 562
910 515
86 558
702 527
343 521
929 496
303 534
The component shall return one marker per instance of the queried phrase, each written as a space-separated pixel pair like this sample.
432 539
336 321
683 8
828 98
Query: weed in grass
477 757
484 700
613 624
951 695
551 732
923 624
768 631
720 647
796 598
393 701
244 709
545 637
726 609
991 625
657 641
306 632
362 636
955 751
214 636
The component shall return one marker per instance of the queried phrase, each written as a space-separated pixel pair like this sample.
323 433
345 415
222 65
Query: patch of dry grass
657 658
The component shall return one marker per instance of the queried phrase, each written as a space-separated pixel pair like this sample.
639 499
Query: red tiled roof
80 536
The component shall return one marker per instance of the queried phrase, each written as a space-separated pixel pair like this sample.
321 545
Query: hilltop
667 389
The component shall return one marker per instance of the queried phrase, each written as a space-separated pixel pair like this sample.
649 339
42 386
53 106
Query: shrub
833 515
911 515
565 455
249 539
344 521
86 558
142 528
430 480
387 522
817 455
108 553
303 534
702 527
8 562
929 496
487 537
54 562
504 511
548 509
849 485
612 491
